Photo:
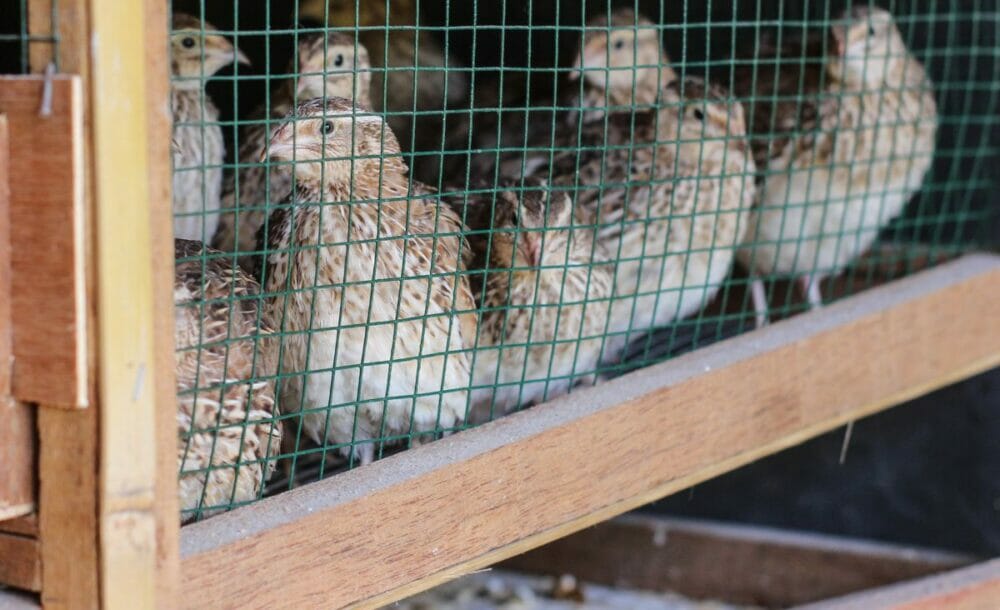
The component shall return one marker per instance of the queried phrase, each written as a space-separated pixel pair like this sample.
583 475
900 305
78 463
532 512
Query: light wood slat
413 520
973 588
123 260
48 279
20 562
738 564
160 126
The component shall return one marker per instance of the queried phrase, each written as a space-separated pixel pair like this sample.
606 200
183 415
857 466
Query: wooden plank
67 507
20 562
160 127
17 426
127 377
736 564
972 588
46 213
25 526
6 331
418 518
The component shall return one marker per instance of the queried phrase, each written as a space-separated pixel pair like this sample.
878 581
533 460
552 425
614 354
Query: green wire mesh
476 93
23 42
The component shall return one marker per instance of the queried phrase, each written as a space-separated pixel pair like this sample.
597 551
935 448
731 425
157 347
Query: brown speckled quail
622 63
670 191
841 154
368 289
330 65
227 434
544 298
197 52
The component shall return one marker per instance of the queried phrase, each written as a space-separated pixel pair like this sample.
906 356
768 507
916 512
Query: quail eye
620 44
871 30
188 42
698 114
327 127
339 60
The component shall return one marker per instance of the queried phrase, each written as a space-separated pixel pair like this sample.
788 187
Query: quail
622 63
331 65
197 52
227 433
669 191
366 285
843 143
543 286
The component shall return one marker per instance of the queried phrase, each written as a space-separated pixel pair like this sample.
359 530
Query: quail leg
809 284
759 296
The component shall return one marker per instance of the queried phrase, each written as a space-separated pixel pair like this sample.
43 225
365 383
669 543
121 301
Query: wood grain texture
20 562
17 426
6 330
408 522
46 213
25 526
127 371
975 587
736 564
67 507
160 126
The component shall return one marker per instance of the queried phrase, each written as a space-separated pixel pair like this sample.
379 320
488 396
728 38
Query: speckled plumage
348 75
393 307
545 295
622 63
227 437
846 162
197 52
670 191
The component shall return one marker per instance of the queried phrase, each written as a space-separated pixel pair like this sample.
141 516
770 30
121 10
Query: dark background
924 473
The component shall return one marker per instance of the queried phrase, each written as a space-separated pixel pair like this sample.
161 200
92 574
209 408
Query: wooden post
107 507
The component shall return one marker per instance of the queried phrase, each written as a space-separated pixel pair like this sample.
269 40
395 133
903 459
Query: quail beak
240 57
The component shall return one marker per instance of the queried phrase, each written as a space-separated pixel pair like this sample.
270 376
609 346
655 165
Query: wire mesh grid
27 45
526 199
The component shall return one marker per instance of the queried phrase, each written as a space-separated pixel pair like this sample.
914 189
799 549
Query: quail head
622 63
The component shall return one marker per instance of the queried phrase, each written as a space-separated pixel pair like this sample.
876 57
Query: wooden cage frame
105 531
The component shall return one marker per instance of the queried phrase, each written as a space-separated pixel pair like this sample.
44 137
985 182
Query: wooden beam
17 425
20 562
48 282
160 128
124 262
738 564
413 520
973 588
67 508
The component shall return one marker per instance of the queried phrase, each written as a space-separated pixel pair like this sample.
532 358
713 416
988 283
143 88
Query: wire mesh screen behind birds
27 45
403 219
